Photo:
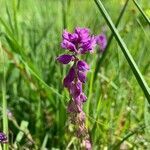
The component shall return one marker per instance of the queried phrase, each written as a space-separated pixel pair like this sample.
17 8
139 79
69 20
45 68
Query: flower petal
88 46
73 107
82 76
83 34
76 89
69 78
82 65
83 97
68 45
71 37
65 59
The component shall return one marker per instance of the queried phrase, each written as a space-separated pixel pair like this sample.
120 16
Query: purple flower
68 45
101 41
87 145
76 89
80 99
82 66
83 34
3 138
79 42
82 76
73 107
70 37
65 59
83 97
69 78
88 46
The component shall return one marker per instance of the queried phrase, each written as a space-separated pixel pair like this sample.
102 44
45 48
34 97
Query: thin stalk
125 51
4 101
38 118
100 60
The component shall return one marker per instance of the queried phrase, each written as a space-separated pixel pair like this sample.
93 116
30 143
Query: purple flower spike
82 65
79 42
101 41
69 78
65 59
3 138
68 45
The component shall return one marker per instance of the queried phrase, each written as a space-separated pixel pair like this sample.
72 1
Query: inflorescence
3 138
79 43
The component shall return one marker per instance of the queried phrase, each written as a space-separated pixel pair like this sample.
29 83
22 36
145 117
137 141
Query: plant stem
4 101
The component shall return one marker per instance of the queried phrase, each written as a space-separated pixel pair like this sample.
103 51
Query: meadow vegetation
33 101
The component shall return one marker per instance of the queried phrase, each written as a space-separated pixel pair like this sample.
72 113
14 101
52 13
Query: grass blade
127 136
100 60
125 50
23 127
4 100
142 12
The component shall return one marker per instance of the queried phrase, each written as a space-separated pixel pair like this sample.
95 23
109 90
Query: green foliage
117 113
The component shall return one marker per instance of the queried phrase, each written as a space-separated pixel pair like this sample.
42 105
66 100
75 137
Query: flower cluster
3 138
78 43
101 41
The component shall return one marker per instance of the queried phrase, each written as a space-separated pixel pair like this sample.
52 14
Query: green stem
4 101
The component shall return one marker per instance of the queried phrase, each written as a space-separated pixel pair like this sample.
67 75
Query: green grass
117 110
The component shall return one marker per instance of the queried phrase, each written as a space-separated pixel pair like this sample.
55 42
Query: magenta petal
76 89
82 65
80 99
69 78
88 46
82 76
68 45
65 35
65 59
83 97
83 33
71 37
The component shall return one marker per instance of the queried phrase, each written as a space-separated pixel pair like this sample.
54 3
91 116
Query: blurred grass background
30 35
